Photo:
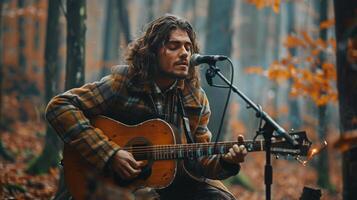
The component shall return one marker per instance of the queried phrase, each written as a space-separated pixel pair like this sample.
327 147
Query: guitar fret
180 151
199 151
196 150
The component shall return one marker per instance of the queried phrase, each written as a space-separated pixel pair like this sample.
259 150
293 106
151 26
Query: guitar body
153 141
156 174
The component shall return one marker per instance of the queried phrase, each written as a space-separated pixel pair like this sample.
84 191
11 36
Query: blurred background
284 59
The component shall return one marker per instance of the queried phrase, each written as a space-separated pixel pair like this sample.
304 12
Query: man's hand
125 165
237 153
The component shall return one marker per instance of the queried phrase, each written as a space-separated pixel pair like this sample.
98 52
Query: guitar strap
186 122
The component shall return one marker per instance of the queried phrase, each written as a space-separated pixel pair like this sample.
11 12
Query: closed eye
175 45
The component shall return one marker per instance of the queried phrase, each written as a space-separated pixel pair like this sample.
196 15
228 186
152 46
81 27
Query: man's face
174 55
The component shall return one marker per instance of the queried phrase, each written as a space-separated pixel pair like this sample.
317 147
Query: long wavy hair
142 53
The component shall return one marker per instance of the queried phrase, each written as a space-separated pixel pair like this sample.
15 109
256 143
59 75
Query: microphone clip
211 73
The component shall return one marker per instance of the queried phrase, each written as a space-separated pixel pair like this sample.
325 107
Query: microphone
197 59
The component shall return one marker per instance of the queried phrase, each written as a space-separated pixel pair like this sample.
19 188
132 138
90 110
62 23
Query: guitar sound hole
137 147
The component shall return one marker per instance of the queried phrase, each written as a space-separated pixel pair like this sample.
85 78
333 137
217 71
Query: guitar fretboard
194 150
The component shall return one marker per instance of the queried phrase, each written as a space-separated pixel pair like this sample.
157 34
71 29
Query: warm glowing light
313 152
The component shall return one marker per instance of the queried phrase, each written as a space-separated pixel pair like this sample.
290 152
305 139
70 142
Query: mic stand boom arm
269 127
259 112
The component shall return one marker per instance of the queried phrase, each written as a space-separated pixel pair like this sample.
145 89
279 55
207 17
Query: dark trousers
187 189
194 191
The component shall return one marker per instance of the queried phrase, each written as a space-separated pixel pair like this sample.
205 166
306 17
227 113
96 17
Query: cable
226 104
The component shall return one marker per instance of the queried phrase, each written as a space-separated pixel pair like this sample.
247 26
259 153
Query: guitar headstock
281 147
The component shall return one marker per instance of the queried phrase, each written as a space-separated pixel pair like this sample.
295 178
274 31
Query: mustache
181 62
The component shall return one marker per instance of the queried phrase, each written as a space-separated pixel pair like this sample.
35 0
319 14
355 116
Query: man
157 79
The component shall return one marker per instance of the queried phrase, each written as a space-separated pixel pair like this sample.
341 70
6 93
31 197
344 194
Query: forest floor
25 142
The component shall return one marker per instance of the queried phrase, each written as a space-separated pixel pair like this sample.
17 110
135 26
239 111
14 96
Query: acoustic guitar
154 142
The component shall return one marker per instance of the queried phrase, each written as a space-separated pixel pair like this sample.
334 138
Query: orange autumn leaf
294 92
278 72
329 70
308 39
332 42
286 61
309 59
320 42
258 3
293 42
315 52
327 24
276 6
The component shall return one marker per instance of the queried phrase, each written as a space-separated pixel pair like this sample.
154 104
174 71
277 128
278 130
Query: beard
173 74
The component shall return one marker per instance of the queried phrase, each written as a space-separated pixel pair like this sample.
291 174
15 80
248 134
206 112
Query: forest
295 59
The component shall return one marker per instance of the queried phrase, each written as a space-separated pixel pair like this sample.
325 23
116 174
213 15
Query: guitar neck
194 150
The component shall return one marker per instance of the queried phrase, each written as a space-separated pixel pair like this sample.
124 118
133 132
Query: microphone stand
267 131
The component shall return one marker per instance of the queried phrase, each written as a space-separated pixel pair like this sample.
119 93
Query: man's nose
183 52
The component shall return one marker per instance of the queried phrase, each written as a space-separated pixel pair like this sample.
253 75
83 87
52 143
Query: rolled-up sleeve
69 114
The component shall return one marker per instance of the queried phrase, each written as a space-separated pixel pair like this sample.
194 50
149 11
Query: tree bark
294 112
322 165
76 28
345 14
1 65
124 19
111 37
22 38
50 155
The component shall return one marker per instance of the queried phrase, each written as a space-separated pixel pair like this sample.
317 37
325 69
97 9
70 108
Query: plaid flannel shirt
121 93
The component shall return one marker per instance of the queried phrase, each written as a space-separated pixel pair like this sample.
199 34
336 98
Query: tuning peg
277 157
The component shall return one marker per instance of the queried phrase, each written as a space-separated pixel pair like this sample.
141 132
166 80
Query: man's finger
131 170
135 164
240 139
228 156
236 148
233 154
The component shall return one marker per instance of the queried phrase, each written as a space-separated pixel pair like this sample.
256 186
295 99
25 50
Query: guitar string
258 142
187 147
194 146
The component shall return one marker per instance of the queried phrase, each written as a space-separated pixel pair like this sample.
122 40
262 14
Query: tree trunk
4 153
50 155
218 41
322 165
150 10
124 19
76 13
1 66
345 14
76 28
111 37
22 62
294 111
22 38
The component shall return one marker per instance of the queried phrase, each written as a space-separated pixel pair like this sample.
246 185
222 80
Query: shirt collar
190 96
156 89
